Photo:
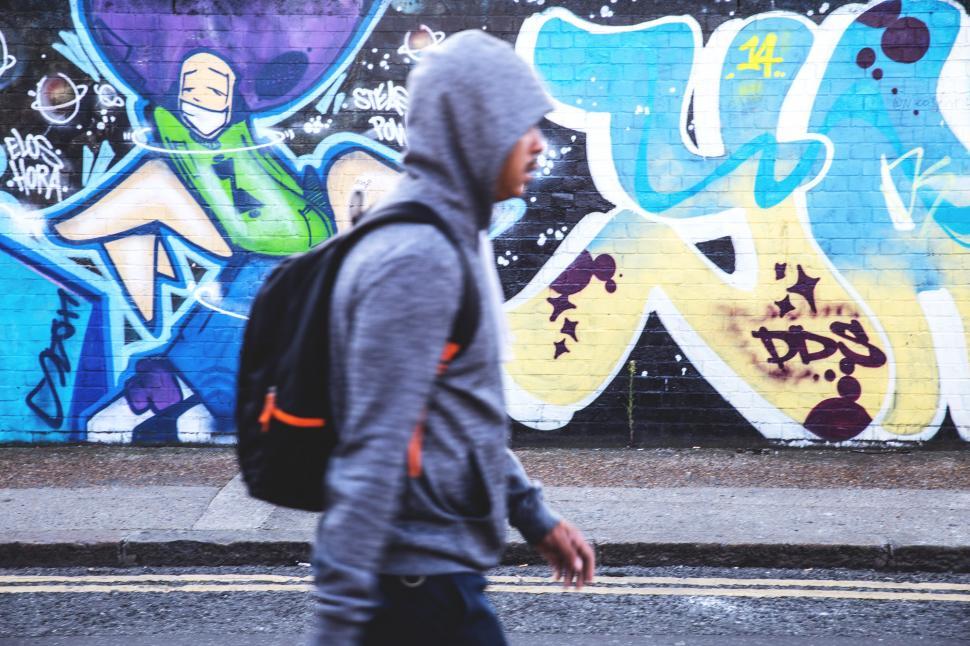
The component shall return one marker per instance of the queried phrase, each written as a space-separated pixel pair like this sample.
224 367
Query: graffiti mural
841 312
781 198
175 223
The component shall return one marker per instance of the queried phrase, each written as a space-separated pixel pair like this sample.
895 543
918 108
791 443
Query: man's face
205 95
519 165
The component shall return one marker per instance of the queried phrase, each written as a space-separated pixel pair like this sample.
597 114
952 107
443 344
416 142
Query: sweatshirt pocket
450 489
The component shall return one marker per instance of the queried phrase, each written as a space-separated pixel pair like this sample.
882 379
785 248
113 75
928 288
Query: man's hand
569 554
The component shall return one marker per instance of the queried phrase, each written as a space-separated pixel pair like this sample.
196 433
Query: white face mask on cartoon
205 93
206 122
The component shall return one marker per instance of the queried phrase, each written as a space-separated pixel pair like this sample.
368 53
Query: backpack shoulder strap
469 311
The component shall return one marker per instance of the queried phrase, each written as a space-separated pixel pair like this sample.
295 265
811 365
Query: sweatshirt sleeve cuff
534 518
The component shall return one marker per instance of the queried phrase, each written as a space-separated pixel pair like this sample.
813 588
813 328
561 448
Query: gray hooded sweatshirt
395 300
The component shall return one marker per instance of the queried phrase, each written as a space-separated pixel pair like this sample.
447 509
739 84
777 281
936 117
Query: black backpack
283 402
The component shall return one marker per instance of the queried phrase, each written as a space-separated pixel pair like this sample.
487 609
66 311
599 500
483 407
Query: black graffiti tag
855 333
796 344
55 365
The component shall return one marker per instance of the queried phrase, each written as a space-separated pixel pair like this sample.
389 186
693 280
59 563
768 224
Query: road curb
204 548
922 558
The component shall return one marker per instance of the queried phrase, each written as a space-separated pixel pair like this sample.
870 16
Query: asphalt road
628 607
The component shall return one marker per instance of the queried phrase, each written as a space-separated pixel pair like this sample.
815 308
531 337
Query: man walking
414 517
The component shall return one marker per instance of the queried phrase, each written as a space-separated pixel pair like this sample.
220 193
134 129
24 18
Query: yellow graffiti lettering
761 56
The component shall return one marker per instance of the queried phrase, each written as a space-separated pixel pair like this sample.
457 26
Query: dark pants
443 610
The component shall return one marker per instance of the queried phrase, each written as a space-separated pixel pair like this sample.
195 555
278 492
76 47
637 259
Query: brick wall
751 223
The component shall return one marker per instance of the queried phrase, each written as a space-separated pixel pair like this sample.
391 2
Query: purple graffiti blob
577 277
865 58
805 287
906 40
277 50
882 15
839 418
569 328
154 386
785 306
581 271
849 388
561 348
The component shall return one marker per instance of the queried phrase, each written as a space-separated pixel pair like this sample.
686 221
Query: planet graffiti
58 98
7 60
108 96
418 42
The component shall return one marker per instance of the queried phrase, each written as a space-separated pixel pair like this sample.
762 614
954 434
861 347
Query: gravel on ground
89 466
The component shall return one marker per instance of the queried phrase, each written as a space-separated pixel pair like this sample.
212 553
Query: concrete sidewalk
855 526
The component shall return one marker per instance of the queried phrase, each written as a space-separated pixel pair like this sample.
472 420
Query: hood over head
470 100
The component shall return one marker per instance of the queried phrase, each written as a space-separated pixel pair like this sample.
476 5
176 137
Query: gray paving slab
703 515
607 515
82 508
691 525
291 519
861 517
233 508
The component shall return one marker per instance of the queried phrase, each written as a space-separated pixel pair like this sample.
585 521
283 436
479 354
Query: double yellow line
605 585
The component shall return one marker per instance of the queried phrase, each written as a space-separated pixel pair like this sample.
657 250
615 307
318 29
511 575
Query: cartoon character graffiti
220 196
